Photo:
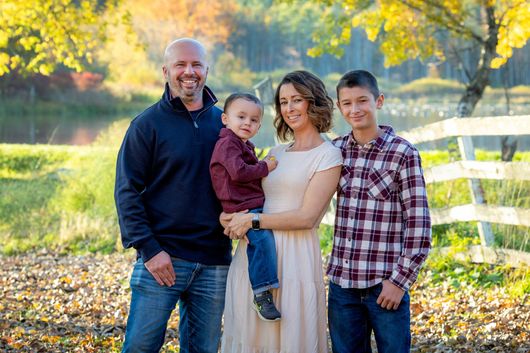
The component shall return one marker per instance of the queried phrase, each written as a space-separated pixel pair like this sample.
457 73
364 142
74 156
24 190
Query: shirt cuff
402 279
264 168
149 248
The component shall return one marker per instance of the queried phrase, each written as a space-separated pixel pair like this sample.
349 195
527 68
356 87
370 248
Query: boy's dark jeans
354 313
262 260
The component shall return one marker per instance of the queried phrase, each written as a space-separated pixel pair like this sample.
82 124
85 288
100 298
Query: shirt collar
225 132
208 98
380 141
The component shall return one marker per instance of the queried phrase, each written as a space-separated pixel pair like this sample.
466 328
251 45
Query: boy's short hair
242 95
312 89
359 78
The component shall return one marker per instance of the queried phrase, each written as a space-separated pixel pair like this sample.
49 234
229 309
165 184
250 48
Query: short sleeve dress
301 297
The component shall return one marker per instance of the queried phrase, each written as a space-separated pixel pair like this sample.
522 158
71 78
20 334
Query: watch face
255 222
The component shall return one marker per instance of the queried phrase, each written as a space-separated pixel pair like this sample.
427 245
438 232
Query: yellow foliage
38 35
408 29
124 54
514 30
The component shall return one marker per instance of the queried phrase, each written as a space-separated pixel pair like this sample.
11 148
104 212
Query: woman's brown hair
312 89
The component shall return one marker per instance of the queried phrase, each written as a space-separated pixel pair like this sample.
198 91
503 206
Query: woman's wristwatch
255 222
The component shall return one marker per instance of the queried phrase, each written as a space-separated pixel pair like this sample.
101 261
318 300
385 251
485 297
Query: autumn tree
409 29
160 21
37 36
124 56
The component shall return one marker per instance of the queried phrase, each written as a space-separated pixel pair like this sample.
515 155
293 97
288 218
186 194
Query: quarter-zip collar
208 99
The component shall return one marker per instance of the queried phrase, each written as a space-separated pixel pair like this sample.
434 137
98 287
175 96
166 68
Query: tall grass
58 197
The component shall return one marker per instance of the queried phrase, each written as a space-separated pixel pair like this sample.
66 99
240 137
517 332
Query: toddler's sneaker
265 307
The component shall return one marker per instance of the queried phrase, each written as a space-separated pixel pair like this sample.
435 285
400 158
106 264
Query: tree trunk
474 91
508 148
479 82
508 143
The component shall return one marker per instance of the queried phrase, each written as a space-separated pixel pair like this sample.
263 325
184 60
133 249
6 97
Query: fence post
265 93
467 151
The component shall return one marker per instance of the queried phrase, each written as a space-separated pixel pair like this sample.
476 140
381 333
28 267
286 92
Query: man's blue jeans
262 259
200 291
354 313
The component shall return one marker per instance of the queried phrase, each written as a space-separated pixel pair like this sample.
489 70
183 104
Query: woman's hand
225 219
239 225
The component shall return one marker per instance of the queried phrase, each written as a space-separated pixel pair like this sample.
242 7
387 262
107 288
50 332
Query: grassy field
61 198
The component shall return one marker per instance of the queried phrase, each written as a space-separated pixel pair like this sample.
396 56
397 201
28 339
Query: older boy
382 227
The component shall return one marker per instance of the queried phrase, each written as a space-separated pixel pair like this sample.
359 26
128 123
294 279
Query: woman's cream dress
301 298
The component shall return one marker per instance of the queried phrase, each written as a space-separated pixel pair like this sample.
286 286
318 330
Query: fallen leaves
468 319
52 303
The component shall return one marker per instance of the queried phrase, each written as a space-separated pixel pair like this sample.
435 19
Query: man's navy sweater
163 191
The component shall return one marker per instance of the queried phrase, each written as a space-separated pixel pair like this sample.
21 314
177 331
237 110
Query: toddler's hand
271 163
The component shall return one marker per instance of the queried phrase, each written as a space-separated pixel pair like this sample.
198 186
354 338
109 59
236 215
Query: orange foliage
209 21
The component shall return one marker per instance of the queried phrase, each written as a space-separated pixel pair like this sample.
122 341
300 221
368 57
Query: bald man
169 213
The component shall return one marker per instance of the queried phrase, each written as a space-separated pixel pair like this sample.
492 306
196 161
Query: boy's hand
390 296
272 163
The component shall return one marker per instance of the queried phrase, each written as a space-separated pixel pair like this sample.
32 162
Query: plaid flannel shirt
382 225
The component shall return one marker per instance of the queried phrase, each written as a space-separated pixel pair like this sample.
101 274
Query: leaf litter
65 303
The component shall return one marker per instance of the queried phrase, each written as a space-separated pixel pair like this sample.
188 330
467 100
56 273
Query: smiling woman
300 96
297 193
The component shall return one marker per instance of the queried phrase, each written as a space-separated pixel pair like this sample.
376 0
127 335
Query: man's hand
161 267
390 296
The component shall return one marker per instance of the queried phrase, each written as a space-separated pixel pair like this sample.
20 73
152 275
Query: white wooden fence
471 169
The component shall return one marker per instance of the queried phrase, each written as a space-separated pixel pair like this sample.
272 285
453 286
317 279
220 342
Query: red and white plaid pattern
382 225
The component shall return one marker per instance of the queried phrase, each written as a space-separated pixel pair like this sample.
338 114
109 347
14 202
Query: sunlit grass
61 197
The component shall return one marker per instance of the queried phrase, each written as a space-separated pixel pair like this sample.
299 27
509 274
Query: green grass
445 269
61 197
57 197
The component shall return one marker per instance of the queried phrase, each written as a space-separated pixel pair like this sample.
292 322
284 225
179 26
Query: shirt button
349 239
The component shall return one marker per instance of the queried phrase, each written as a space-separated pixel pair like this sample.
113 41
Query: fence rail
474 170
479 170
488 126
486 213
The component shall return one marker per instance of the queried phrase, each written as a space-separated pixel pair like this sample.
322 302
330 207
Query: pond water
72 130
